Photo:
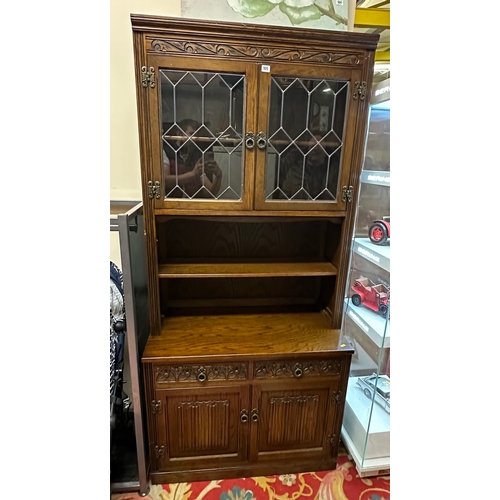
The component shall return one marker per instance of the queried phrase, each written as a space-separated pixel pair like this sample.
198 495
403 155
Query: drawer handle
244 416
255 415
202 374
298 371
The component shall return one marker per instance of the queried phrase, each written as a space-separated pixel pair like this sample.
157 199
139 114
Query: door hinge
359 90
336 397
156 407
347 193
160 451
154 190
333 441
148 76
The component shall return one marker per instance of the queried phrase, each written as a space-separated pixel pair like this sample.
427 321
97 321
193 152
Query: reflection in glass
306 133
378 141
202 136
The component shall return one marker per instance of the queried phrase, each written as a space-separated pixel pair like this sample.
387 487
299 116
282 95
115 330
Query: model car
380 386
375 297
380 231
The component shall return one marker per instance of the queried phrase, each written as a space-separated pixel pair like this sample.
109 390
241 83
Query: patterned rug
341 484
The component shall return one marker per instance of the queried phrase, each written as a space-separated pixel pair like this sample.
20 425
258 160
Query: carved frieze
253 52
201 373
287 369
294 399
202 404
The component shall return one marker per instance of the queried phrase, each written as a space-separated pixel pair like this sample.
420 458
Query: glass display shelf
366 322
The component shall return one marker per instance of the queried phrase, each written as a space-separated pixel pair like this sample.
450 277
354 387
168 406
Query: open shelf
371 323
377 254
247 335
243 270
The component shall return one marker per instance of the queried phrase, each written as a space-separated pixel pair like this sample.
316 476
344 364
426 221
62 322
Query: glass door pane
202 116
306 131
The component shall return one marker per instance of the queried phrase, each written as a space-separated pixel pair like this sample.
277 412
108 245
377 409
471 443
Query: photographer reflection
310 174
189 169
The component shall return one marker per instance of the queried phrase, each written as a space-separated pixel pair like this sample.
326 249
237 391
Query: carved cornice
191 373
253 52
287 369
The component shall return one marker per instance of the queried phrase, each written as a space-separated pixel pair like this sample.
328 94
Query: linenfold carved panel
287 369
193 373
253 52
197 415
285 412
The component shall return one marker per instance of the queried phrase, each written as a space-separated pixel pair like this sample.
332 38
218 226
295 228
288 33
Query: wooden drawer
206 373
297 368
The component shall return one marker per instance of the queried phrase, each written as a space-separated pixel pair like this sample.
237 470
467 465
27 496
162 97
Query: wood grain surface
246 335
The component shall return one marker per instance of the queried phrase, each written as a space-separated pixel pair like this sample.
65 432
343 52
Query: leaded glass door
306 130
200 116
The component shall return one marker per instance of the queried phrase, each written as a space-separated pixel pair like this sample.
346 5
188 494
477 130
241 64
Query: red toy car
380 231
375 297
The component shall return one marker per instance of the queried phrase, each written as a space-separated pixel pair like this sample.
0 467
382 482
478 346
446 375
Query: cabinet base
369 467
240 471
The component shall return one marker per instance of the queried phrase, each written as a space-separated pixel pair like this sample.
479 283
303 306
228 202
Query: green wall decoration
322 14
298 11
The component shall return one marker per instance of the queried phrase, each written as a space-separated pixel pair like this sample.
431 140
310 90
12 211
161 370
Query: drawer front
169 374
297 368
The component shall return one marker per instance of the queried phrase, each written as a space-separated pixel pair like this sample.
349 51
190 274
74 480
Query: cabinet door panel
294 422
308 116
200 114
202 425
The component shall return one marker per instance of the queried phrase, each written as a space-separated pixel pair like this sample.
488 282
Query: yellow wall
125 177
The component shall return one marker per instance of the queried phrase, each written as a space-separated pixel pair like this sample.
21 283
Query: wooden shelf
248 335
246 270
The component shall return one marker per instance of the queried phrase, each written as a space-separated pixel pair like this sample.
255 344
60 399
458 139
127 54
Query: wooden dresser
251 141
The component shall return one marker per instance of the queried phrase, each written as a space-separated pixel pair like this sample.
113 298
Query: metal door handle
250 140
261 140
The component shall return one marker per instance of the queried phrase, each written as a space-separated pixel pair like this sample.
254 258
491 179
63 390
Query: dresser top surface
248 335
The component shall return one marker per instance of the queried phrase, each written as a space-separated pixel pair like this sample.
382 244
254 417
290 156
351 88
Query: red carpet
341 484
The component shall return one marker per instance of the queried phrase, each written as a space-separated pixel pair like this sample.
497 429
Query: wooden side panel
344 249
147 174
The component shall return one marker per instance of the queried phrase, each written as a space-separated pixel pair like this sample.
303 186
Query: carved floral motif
289 368
190 373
